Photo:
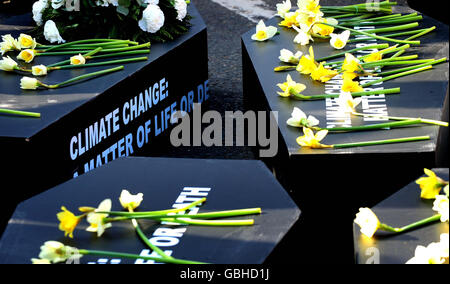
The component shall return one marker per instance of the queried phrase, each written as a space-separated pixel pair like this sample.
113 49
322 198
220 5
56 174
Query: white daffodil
27 55
8 44
26 42
284 8
444 243
303 37
152 19
432 254
264 32
440 205
38 8
347 103
288 56
7 64
299 119
55 252
96 220
311 7
127 200
39 70
339 41
368 222
78 60
51 33
181 7
28 83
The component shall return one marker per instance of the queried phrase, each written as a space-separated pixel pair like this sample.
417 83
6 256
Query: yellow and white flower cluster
9 43
434 253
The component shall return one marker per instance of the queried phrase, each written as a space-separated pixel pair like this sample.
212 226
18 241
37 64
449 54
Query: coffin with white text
165 183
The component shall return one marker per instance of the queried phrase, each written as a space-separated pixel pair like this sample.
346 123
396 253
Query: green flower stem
386 125
395 63
396 71
356 94
88 41
92 56
82 77
112 50
372 35
390 29
70 48
398 75
414 32
89 45
400 20
393 58
20 113
363 5
136 256
358 18
189 221
422 120
86 56
388 17
412 226
381 142
348 15
383 52
422 33
374 46
119 61
355 9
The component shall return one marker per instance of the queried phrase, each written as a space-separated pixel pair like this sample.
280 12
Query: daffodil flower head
55 252
28 83
351 63
339 41
350 86
27 55
309 7
8 44
68 222
299 119
127 200
428 255
324 30
349 76
431 185
288 56
303 37
441 206
323 74
39 70
290 86
307 20
78 60
264 32
374 57
367 221
26 42
290 20
96 220
7 64
307 63
284 8
347 103
312 140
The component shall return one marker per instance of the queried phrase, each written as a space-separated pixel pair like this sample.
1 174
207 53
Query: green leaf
125 3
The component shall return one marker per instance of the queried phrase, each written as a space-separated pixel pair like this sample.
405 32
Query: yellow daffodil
288 56
7 64
323 74
368 222
77 60
312 140
299 119
284 8
350 86
28 83
339 41
431 186
55 252
373 57
68 222
347 103
349 75
27 55
351 63
264 32
324 30
127 200
307 21
40 261
289 85
440 205
307 63
290 20
26 42
39 70
96 220
302 37
428 255
309 7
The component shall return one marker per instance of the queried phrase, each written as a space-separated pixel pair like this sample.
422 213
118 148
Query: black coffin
165 182
400 209
345 179
132 107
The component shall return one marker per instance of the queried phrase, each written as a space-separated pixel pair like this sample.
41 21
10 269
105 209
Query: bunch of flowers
99 221
431 188
140 20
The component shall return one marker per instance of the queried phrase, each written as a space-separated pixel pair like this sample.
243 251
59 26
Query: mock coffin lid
422 94
234 184
401 209
55 104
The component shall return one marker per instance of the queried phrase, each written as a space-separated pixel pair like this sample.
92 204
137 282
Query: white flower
7 64
128 200
56 4
38 8
263 32
55 252
368 222
299 119
153 2
444 245
339 41
26 41
181 7
288 56
347 103
51 33
440 205
28 83
283 8
8 44
114 2
39 70
303 37
27 55
95 220
432 254
77 60
152 19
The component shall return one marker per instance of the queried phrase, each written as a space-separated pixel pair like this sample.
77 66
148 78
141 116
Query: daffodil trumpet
100 42
422 120
19 113
355 94
381 142
340 54
398 75
396 71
